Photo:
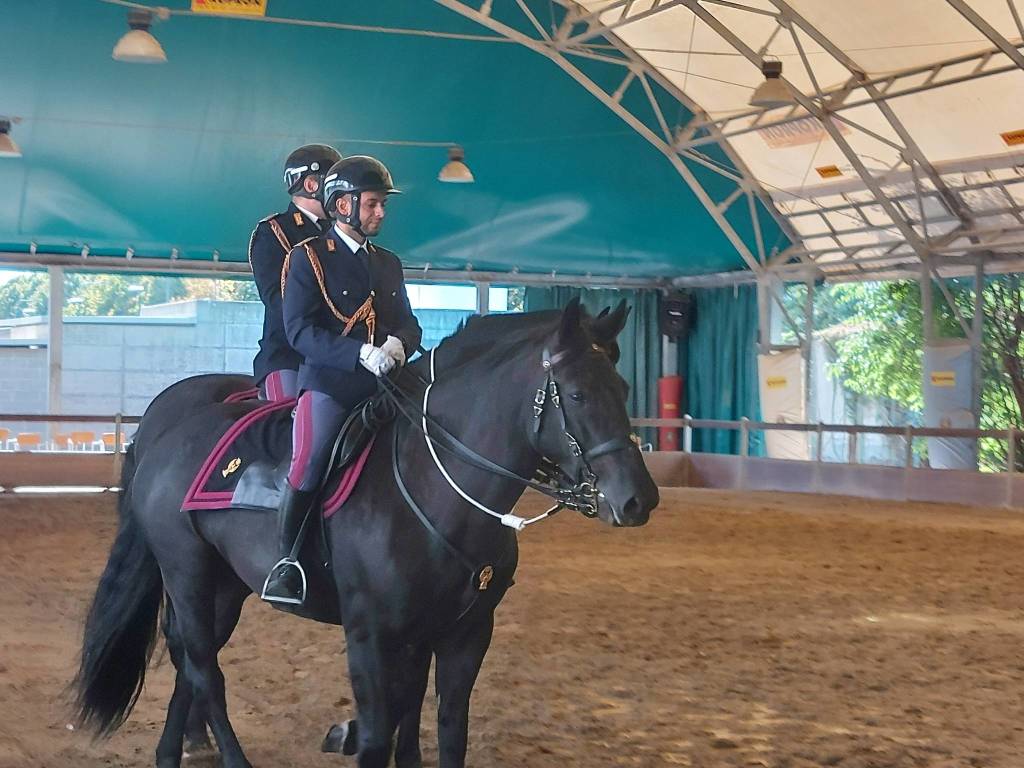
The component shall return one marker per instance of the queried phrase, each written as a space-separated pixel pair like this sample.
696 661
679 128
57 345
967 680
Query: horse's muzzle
634 511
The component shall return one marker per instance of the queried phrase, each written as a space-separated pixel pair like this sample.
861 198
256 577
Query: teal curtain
720 361
639 342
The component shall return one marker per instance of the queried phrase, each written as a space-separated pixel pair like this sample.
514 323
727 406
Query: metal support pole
977 337
764 315
118 438
818 454
55 345
483 298
1011 463
741 480
908 460
808 344
851 453
927 305
669 356
688 434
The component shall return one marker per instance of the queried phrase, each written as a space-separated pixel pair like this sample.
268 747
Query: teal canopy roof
187 155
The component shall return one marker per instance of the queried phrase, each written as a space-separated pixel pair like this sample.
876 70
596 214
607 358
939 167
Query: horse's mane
498 332
490 329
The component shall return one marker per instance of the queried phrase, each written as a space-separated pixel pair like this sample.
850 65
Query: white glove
375 360
395 350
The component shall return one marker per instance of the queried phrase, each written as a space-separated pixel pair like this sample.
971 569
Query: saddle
259 445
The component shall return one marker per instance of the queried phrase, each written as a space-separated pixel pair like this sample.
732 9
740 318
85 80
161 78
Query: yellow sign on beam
1013 138
232 7
943 378
776 382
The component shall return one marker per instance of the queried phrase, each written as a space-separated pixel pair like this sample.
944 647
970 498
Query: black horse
192 395
418 566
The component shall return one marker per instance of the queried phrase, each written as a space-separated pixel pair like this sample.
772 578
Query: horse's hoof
342 738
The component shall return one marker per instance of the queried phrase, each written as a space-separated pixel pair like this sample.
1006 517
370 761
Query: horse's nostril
631 508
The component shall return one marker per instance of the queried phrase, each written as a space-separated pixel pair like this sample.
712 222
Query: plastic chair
62 441
5 438
28 441
108 441
83 439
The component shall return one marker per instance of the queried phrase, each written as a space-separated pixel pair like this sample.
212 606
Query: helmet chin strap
353 218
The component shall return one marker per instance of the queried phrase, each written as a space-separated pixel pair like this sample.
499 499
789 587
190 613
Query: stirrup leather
289 561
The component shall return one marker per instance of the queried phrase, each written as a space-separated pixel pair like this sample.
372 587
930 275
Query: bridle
578 491
581 488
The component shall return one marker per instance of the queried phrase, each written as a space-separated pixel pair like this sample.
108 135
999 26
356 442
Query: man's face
371 211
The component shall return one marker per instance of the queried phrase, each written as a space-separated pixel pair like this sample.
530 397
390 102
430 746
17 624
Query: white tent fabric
961 124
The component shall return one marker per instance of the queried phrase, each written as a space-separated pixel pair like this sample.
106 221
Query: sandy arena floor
734 630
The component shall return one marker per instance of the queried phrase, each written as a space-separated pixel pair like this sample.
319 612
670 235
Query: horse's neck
487 407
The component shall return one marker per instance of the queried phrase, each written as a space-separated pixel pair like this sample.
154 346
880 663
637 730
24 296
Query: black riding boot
286 582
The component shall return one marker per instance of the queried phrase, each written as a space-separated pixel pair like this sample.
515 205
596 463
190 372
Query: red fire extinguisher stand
670 394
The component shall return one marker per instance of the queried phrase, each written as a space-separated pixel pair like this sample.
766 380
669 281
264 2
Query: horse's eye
578 397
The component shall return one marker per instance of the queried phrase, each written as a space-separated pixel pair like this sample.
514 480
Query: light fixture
138 45
772 92
7 146
456 171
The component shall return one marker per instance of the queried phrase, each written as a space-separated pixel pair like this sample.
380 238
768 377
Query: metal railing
744 426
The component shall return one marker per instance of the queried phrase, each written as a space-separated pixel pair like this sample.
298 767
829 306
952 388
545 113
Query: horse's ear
607 326
571 331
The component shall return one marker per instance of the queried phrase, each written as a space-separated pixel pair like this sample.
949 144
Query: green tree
221 290
25 295
104 295
882 356
110 295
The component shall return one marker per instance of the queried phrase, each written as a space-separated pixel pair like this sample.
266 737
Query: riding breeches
318 419
280 385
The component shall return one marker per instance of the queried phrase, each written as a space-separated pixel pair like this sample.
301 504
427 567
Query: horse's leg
374 671
407 753
197 737
193 591
180 711
229 600
344 737
459 656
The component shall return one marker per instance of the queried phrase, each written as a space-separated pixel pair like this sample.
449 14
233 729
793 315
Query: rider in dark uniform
347 313
276 364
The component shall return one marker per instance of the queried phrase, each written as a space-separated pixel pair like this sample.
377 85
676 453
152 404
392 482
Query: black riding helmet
309 160
353 176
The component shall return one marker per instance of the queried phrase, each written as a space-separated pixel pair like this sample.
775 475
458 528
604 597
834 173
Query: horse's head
581 422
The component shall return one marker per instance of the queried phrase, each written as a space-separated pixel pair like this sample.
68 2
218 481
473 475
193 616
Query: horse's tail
128 465
120 632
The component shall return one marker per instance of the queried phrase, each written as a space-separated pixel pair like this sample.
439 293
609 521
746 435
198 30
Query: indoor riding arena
717 314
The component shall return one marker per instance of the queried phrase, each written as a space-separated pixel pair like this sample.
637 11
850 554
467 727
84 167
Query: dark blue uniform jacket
326 285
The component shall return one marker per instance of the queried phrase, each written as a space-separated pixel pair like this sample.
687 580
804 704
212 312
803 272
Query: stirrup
288 561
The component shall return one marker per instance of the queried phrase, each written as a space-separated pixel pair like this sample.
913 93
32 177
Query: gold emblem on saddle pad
486 574
232 467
